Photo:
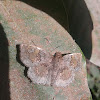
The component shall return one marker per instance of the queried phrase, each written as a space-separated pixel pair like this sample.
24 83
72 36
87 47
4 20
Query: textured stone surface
23 24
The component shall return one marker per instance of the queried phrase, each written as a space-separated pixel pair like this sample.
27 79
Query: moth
47 69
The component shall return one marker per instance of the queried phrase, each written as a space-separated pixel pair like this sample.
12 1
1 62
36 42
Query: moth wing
38 61
69 64
24 56
30 55
73 60
39 75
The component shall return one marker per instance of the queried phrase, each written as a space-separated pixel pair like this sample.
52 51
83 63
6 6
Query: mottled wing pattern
47 69
67 67
39 63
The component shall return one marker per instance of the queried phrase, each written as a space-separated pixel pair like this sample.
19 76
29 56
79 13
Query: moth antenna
48 41
55 48
51 45
34 43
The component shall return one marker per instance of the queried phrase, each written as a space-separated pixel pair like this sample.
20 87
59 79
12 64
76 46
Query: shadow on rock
19 60
4 66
